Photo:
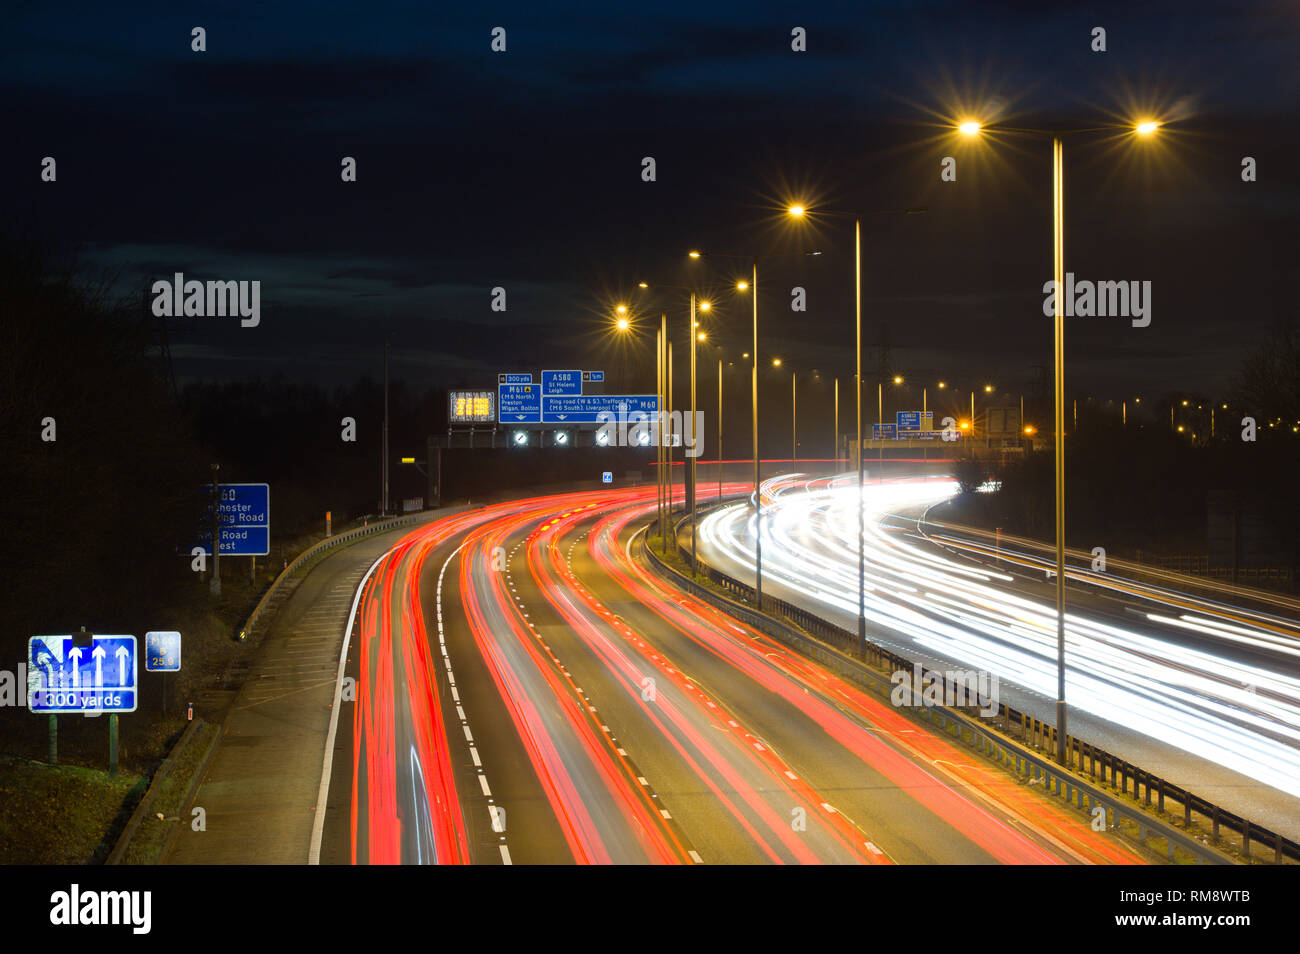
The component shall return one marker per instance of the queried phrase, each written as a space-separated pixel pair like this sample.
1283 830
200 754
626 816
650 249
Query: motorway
527 692
1204 693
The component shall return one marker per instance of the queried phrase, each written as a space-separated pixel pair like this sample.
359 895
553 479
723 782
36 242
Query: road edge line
327 766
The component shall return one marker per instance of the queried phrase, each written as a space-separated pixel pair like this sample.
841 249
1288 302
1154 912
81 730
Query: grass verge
152 837
62 814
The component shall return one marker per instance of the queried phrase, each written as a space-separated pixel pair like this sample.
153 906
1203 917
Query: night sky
522 169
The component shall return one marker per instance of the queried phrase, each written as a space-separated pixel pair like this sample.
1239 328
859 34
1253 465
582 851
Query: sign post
162 653
112 745
241 521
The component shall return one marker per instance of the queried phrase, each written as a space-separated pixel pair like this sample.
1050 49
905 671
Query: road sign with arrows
65 677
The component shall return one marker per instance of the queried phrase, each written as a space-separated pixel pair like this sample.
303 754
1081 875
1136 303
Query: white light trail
1239 714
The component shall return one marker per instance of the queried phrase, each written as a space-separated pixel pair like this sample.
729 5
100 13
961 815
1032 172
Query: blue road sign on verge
507 377
519 404
587 408
607 477
594 377
90 679
561 382
243 519
883 432
162 651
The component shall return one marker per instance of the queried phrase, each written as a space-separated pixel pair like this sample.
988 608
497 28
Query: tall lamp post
692 437
801 212
752 287
973 128
719 430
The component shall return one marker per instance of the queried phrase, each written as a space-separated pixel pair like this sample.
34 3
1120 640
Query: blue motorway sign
162 651
595 377
561 382
587 408
607 477
243 519
62 677
519 404
914 420
883 432
508 378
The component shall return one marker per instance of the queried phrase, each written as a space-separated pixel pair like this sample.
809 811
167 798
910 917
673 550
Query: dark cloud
523 170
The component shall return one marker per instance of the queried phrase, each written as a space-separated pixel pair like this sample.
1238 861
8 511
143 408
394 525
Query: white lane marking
451 678
327 766
695 856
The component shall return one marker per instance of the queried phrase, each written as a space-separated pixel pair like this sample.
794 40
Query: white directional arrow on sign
122 653
75 656
99 655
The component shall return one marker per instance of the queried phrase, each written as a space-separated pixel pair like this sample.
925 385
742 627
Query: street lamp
799 211
752 287
696 335
1145 128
